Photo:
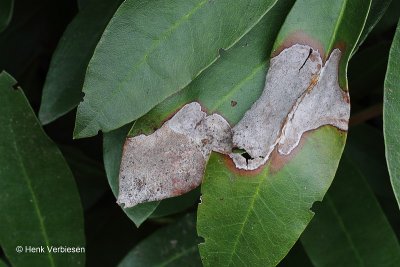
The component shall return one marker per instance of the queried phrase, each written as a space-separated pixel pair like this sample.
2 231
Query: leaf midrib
35 201
236 242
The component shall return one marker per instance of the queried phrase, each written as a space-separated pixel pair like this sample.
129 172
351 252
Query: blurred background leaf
89 175
376 12
63 88
6 10
27 44
39 201
349 228
173 245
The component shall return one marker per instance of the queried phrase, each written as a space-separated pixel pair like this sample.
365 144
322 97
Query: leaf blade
391 109
181 31
30 162
278 207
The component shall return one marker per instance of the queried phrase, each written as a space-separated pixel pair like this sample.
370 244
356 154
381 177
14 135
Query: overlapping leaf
39 201
391 116
153 49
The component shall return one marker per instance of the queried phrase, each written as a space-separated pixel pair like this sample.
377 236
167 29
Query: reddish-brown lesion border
299 37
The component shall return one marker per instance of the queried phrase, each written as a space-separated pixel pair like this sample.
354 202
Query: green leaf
151 50
112 150
6 11
326 25
349 228
255 218
39 201
173 245
63 87
391 111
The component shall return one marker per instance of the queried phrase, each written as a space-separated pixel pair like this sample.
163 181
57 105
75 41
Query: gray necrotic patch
299 95
324 104
171 161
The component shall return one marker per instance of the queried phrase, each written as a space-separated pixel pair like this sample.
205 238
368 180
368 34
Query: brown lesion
277 160
230 165
299 37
